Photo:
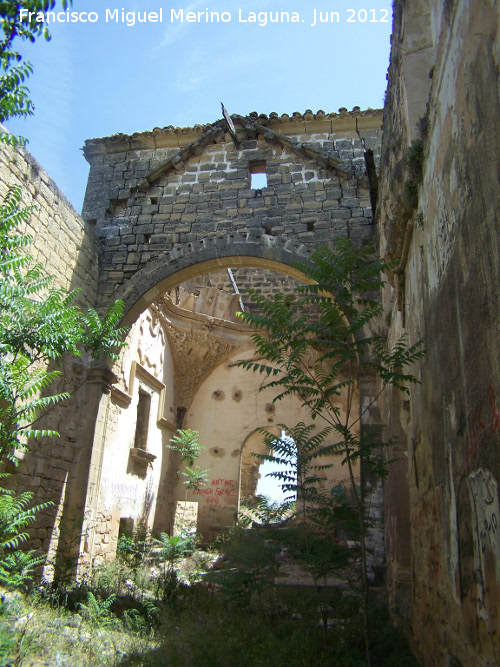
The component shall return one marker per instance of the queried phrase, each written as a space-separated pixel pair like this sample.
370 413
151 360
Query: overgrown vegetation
38 324
320 360
414 160
163 601
17 566
238 613
155 605
188 445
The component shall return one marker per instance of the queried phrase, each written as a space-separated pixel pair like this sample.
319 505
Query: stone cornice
289 125
173 316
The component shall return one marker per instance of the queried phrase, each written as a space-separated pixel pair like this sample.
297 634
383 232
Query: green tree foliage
187 443
38 324
14 95
302 474
316 347
98 612
323 518
262 511
16 566
195 477
169 549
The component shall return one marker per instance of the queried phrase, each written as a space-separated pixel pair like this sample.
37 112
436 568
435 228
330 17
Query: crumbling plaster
227 409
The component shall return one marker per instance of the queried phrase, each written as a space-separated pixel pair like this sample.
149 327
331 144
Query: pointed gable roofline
249 129
193 141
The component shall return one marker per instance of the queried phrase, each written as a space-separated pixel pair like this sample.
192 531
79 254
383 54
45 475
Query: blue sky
271 486
102 78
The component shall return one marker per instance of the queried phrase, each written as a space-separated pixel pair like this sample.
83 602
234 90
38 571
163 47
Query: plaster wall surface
187 364
227 410
442 500
135 458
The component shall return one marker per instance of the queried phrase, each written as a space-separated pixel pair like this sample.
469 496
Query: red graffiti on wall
219 489
479 428
426 524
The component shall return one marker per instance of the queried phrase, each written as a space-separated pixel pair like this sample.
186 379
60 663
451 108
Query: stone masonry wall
157 198
61 238
63 244
439 220
262 281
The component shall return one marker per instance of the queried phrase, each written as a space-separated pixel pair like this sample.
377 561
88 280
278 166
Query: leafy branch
14 95
38 324
317 347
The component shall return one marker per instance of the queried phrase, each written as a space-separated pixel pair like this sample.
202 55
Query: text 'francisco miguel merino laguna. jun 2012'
311 17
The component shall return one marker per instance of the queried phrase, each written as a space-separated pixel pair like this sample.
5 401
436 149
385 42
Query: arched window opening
269 484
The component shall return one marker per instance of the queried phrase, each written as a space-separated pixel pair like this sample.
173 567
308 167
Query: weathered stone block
312 205
349 203
119 258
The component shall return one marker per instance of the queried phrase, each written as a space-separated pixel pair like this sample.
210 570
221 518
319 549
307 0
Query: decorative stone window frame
141 456
136 370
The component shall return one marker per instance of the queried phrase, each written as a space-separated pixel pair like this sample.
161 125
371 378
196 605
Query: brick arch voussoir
202 256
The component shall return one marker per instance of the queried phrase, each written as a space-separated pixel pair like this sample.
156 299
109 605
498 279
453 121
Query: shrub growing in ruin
38 324
187 443
320 359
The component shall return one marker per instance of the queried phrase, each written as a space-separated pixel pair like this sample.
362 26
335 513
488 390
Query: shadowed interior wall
439 220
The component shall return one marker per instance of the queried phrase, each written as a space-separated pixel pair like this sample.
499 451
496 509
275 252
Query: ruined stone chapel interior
180 223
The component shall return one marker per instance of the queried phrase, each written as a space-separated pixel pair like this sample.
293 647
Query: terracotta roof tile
273 119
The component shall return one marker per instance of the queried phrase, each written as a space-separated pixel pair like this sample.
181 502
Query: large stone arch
167 207
165 201
202 256
217 511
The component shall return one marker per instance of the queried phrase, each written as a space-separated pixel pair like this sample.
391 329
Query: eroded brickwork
158 199
64 245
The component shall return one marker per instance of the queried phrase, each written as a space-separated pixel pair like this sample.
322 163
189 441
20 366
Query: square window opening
258 174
